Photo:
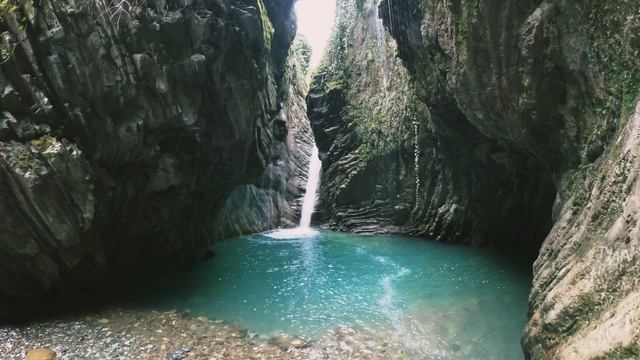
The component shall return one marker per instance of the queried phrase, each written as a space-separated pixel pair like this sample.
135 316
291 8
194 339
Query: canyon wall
364 116
529 142
412 165
130 133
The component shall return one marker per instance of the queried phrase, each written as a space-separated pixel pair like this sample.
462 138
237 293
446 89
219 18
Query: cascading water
308 202
311 193
382 46
416 159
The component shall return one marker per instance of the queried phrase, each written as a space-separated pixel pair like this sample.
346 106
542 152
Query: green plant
267 27
302 51
23 160
9 20
44 142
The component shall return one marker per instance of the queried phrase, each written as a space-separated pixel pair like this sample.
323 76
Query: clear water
455 301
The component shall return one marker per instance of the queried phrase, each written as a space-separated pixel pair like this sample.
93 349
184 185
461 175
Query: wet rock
285 342
7 122
133 334
178 354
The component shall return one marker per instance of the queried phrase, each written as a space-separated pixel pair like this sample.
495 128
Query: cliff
127 127
529 143
364 117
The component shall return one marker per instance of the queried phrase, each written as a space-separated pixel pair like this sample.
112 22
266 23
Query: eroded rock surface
553 87
530 141
363 113
124 131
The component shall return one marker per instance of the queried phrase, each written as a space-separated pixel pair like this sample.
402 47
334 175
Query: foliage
7 5
23 160
380 103
302 50
613 32
8 8
44 142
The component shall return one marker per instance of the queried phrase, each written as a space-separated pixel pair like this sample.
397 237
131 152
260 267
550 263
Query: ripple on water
438 301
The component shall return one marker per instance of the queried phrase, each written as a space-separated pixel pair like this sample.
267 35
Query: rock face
363 112
126 129
424 182
585 298
530 142
275 198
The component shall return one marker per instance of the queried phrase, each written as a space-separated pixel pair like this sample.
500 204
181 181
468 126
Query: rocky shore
175 335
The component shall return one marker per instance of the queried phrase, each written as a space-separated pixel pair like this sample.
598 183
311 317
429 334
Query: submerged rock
286 342
141 334
178 354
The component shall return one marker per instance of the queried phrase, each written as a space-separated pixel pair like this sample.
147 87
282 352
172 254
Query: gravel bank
141 334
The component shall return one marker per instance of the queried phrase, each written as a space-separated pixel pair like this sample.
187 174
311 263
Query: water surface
439 300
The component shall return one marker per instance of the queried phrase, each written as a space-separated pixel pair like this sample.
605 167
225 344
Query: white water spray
311 193
379 33
308 202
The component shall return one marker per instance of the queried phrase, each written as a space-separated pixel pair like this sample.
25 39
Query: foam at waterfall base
295 233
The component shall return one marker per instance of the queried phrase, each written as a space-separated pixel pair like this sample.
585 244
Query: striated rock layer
529 142
553 85
410 164
125 129
363 113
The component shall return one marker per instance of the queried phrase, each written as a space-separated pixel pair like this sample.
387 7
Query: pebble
133 334
178 354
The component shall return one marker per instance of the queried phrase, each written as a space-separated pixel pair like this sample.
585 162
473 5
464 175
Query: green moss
614 29
8 8
472 6
301 49
379 100
576 187
44 142
267 27
24 161
623 352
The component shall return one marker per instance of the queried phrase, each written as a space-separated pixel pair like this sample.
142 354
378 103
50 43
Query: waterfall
416 159
382 46
389 6
311 193
308 203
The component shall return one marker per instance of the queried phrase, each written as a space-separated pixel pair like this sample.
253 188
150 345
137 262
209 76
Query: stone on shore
41 354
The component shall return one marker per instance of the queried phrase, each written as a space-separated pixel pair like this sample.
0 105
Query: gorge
477 156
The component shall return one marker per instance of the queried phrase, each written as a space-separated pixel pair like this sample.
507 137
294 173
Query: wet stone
151 335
